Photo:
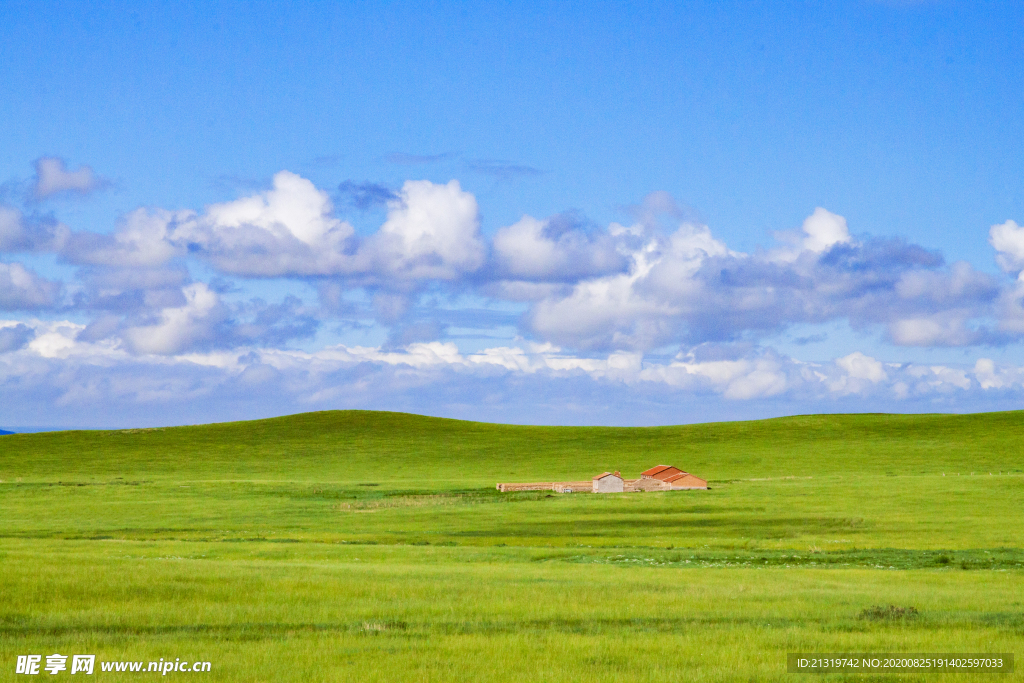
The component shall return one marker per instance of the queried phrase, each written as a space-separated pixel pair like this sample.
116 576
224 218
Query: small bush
890 613
377 626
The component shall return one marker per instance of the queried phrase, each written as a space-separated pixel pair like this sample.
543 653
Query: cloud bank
657 305
50 361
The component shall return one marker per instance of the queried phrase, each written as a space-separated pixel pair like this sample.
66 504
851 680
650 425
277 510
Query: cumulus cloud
11 229
53 356
271 325
14 336
18 233
558 249
664 280
288 230
293 208
824 229
606 312
592 303
755 376
180 327
144 238
948 328
688 286
22 289
627 287
174 315
1011 309
432 232
1008 241
54 178
858 373
992 377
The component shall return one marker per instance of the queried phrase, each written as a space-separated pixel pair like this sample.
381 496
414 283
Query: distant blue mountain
4 431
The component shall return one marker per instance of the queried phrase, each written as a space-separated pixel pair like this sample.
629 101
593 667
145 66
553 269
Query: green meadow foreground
373 547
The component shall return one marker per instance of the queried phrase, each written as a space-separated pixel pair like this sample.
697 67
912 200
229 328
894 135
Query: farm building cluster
658 478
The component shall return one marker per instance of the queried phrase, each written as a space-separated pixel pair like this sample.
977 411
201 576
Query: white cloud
180 327
143 239
993 377
432 231
53 177
820 232
859 374
690 287
14 335
39 234
626 289
606 297
859 366
947 328
637 309
945 288
53 366
650 304
741 379
22 289
1008 241
606 312
288 230
939 379
293 208
11 229
533 250
824 229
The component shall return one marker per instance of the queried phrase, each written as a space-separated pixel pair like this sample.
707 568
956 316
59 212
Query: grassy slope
169 543
839 482
414 451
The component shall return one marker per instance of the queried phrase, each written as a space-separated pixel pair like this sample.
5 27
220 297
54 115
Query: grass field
373 547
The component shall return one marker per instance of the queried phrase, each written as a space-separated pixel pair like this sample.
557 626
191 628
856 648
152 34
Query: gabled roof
663 472
689 482
606 474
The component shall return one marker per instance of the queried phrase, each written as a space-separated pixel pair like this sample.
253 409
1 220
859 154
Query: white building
609 482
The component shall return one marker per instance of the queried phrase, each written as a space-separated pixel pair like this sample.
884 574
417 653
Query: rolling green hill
401 450
301 548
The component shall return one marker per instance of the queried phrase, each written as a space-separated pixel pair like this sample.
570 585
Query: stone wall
534 486
574 486
645 484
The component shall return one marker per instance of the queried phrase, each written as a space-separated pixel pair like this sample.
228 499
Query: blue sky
592 213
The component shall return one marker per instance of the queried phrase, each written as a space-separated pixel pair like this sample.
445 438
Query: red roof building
674 477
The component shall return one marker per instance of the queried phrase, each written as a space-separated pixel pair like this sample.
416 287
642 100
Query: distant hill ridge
4 431
405 450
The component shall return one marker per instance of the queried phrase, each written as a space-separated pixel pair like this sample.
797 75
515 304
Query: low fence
635 485
557 486
574 487
546 486
628 486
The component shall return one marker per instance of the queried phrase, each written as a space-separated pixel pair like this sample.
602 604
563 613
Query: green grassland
370 546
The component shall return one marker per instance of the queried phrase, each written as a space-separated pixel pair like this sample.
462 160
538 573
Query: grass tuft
890 613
